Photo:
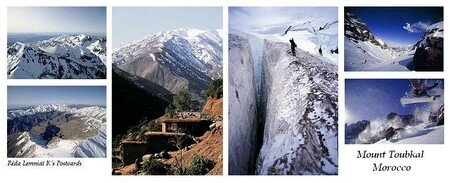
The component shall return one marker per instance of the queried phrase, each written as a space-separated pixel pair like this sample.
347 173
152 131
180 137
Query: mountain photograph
56 43
394 39
283 86
167 91
394 111
56 122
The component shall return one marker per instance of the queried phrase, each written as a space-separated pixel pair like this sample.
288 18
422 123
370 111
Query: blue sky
133 23
390 23
57 19
275 20
368 99
21 96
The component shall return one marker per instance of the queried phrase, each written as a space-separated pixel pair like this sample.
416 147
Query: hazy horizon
58 33
275 20
23 96
132 23
56 19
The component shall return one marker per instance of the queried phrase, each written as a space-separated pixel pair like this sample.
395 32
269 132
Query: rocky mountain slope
57 131
429 55
357 30
133 100
366 52
177 59
213 106
64 57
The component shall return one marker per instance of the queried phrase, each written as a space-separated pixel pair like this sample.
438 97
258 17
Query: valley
167 104
57 130
364 51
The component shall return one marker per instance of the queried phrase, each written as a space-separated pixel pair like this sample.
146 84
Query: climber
420 88
293 46
334 51
390 132
320 51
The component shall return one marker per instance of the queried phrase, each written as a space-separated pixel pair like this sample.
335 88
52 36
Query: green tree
199 165
215 89
155 167
182 101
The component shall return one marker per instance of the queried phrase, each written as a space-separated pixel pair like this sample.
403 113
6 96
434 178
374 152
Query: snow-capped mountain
176 59
64 57
299 103
403 49
365 51
42 108
57 130
429 55
357 30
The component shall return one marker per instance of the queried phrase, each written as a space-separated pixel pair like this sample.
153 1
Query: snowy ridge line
291 141
41 108
63 57
177 59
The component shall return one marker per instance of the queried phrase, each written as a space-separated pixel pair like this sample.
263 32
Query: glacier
295 99
242 107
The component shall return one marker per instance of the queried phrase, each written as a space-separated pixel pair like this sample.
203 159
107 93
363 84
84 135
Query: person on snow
320 51
420 88
293 46
390 132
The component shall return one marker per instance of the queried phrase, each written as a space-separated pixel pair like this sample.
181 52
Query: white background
432 168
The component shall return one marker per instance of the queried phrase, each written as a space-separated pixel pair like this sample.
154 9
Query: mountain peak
174 59
61 57
357 30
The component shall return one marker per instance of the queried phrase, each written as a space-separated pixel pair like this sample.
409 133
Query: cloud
417 27
275 20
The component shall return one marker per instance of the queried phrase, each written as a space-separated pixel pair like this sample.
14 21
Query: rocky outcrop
395 127
242 107
429 55
213 106
357 30
353 130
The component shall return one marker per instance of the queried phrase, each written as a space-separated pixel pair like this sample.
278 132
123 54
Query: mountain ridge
176 60
63 57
